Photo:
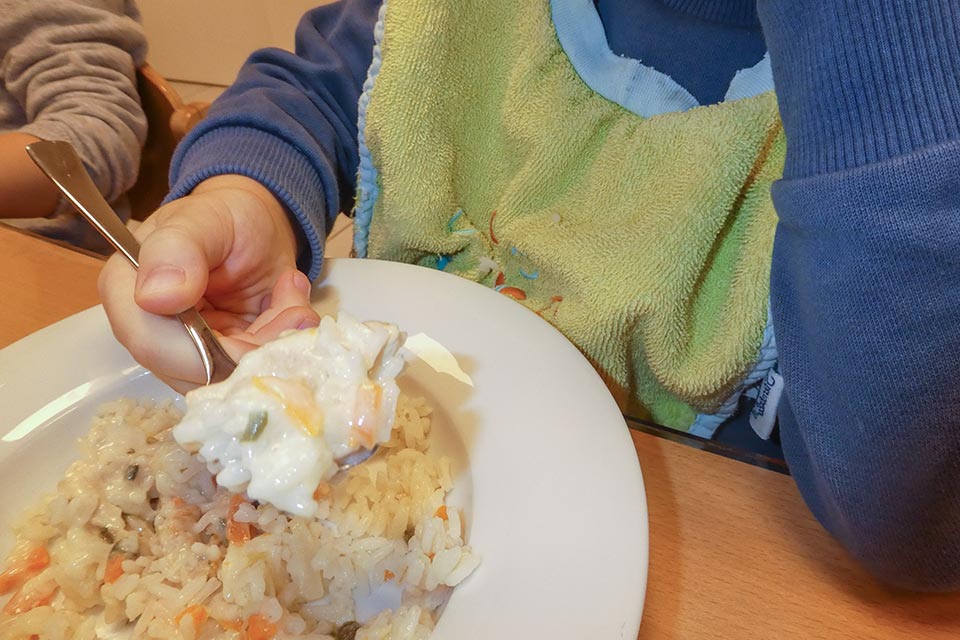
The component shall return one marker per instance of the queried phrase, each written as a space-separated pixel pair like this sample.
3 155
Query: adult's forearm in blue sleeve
865 285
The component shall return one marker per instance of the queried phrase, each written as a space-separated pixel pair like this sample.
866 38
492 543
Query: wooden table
734 553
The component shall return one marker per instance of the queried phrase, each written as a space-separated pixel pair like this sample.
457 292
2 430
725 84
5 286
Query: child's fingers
291 291
289 318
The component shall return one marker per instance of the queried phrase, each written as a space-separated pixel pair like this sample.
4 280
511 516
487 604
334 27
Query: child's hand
229 247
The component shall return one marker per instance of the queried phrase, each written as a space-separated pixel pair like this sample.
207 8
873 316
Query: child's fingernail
301 282
308 323
162 279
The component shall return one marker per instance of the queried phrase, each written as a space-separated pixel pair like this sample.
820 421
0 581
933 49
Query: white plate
548 475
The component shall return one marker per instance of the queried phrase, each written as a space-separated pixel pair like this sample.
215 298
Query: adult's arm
70 68
865 287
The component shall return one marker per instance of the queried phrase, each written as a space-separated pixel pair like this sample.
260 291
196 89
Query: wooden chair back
168 121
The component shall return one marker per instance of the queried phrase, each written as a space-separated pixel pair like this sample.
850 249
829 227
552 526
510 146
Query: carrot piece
322 491
235 501
24 601
260 628
441 512
35 561
10 580
231 625
197 612
114 569
388 575
237 532
38 559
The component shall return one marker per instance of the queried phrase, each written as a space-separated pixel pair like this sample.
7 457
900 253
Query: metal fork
60 162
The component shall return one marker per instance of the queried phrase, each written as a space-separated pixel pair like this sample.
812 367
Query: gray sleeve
71 66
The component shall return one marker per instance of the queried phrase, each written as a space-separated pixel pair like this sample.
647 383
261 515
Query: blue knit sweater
865 286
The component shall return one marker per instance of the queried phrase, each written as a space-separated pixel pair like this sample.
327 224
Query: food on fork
277 425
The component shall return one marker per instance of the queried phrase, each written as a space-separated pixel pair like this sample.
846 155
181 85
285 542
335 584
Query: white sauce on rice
276 426
137 543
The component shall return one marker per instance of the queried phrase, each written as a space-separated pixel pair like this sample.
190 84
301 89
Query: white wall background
206 41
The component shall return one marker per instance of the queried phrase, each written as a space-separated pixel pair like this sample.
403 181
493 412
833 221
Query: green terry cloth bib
646 241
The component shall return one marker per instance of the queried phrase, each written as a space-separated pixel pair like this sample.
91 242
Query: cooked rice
137 501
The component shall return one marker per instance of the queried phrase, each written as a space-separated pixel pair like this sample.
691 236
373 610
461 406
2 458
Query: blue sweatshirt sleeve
290 122
865 283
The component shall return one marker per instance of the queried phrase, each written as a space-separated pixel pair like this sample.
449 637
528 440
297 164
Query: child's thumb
176 259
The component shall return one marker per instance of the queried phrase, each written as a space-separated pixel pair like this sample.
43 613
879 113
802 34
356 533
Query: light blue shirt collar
631 84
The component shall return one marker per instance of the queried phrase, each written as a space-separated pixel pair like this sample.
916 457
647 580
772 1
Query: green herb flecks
256 423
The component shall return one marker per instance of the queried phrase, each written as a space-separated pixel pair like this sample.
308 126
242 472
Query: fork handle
60 162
